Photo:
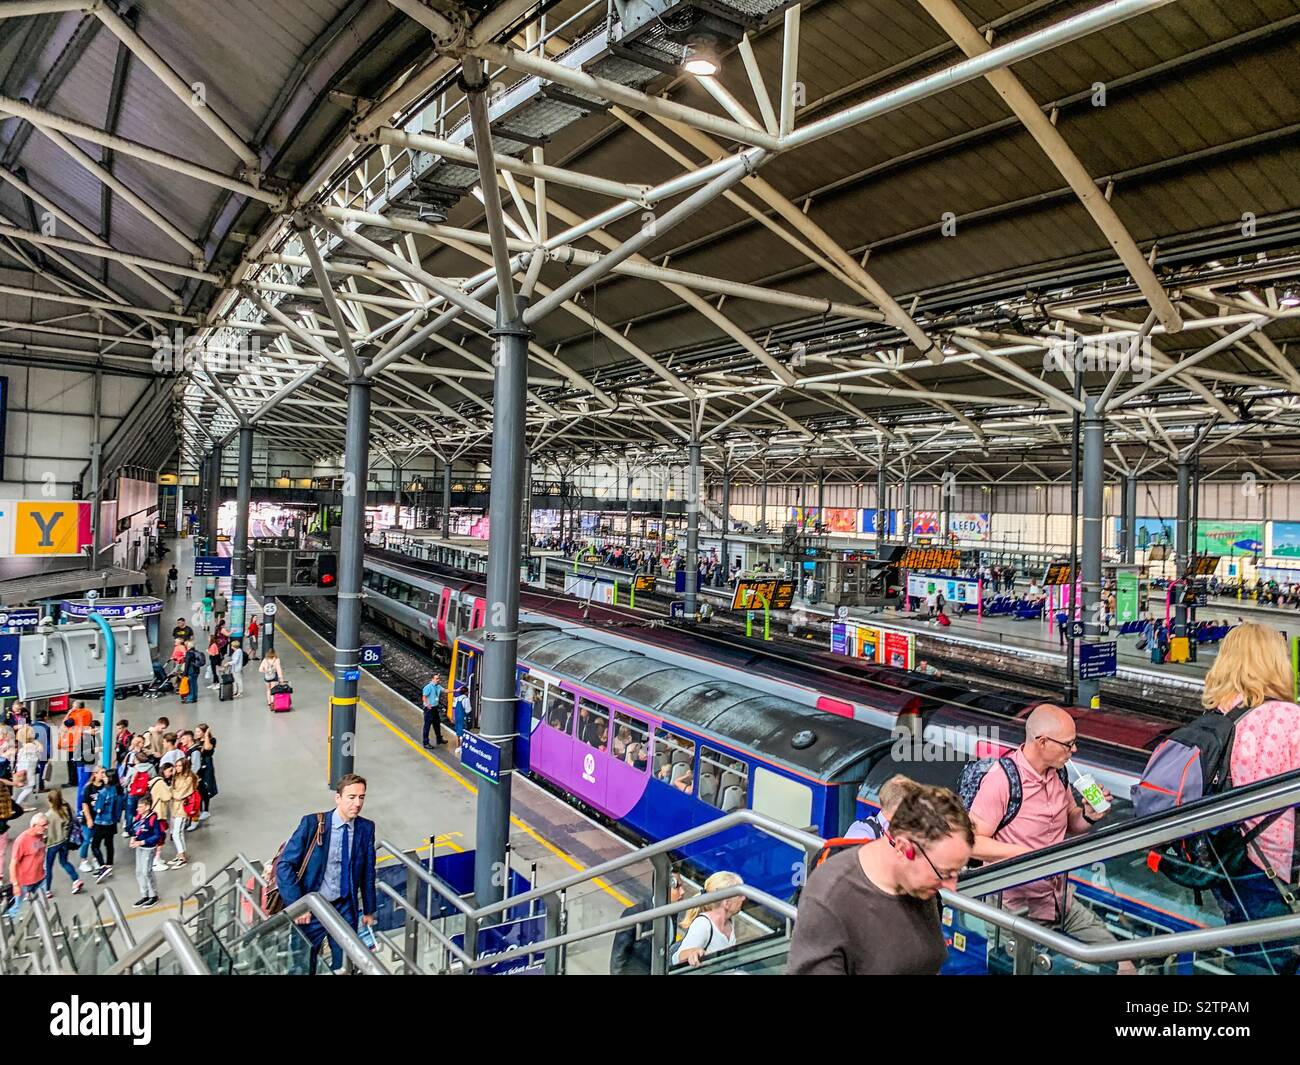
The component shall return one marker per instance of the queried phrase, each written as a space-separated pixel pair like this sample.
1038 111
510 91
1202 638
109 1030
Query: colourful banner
868 522
1229 537
970 526
925 523
841 520
44 528
1286 539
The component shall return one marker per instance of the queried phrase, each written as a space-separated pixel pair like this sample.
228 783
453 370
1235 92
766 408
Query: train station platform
272 768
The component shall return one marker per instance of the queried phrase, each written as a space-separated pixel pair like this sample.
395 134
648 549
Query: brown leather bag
271 900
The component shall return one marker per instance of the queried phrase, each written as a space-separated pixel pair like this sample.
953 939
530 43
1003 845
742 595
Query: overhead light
1290 298
701 58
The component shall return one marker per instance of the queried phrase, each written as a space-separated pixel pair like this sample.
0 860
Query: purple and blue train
660 749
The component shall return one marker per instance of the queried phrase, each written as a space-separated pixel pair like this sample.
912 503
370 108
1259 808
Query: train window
466 613
559 709
675 760
532 690
631 740
593 724
789 801
724 781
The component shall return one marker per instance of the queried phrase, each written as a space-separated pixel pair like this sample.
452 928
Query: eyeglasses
1073 745
939 874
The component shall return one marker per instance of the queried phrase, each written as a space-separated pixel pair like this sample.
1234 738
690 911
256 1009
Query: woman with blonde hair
1251 677
710 929
272 672
185 803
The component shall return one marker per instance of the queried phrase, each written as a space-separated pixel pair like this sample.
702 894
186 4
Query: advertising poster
925 523
1126 596
1229 537
1286 539
841 519
900 650
1154 531
954 589
867 522
970 526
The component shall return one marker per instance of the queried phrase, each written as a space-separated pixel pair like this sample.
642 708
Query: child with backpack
1251 733
146 837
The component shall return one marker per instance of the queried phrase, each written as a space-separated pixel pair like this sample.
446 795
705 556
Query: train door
443 600
478 614
589 765
452 623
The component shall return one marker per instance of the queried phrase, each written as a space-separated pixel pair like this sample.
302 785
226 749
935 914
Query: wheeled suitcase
227 690
281 698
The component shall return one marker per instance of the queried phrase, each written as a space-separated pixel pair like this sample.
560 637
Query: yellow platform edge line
528 830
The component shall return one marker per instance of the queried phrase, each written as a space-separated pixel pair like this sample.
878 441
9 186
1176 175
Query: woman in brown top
873 910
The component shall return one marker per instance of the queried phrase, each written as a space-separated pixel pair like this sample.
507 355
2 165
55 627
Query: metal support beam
498 690
446 500
694 494
1129 546
347 638
1094 473
239 547
1182 539
725 566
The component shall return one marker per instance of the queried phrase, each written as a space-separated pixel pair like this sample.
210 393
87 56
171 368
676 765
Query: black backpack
974 773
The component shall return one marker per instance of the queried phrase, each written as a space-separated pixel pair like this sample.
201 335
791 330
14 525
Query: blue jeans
193 696
1251 898
84 773
59 853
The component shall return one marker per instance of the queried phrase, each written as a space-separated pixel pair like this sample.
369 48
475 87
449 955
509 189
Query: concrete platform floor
271 769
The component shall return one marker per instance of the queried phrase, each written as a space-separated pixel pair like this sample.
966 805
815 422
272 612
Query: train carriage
660 749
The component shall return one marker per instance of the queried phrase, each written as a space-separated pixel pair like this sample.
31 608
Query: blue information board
372 654
9 646
1097 660
352 674
23 617
212 565
482 756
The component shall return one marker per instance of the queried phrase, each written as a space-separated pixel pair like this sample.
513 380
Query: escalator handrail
1265 930
170 934
1213 811
336 928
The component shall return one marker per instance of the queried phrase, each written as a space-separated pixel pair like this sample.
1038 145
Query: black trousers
102 836
431 721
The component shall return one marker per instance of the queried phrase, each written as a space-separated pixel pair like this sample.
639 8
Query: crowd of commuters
158 786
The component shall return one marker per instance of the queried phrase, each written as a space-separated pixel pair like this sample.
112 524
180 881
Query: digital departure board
644 582
756 595
929 558
1057 573
1205 565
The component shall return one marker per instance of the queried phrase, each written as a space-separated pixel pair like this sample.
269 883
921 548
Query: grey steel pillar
663 513
1094 458
627 539
446 501
239 543
1182 540
397 494
352 542
497 691
882 509
693 492
821 495
212 505
762 501
726 519
907 501
96 490
1128 519
526 511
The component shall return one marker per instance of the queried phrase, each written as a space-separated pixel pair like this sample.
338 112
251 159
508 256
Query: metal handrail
1232 935
169 934
336 929
805 841
1213 811
119 918
643 917
238 860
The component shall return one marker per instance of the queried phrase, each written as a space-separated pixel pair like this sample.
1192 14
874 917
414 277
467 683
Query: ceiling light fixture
1290 298
701 56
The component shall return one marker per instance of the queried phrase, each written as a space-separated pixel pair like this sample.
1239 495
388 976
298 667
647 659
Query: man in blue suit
339 849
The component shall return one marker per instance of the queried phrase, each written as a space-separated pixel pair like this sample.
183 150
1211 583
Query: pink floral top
1266 743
